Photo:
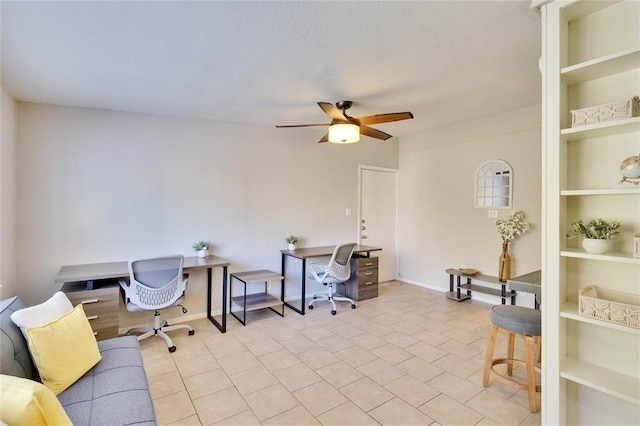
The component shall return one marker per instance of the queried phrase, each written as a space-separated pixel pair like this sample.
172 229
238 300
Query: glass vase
504 264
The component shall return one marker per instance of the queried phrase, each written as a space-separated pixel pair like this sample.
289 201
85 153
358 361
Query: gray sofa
114 392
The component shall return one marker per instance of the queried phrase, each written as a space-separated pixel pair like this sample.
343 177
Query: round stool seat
517 319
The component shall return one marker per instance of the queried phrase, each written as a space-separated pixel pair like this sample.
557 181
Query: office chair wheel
353 306
310 306
172 349
333 312
192 332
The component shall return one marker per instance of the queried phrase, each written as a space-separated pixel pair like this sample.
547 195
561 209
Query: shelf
606 128
578 10
257 301
613 191
588 59
570 311
608 381
454 296
478 277
486 290
603 66
610 257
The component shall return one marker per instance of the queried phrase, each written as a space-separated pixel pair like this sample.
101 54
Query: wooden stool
527 323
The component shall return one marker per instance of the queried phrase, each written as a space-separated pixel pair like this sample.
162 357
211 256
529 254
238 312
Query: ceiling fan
345 129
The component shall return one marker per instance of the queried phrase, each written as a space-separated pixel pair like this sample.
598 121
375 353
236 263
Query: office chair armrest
316 269
124 289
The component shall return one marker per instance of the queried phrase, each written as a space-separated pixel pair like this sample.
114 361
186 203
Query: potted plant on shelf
597 234
201 247
292 240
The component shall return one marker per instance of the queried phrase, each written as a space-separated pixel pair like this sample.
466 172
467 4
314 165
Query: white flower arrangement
512 226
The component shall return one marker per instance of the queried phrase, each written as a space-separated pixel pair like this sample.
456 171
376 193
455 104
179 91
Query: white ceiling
270 62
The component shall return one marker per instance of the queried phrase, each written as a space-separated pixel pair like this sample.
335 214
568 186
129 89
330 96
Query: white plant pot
596 246
203 253
292 247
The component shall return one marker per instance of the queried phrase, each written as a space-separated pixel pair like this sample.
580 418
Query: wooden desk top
99 271
307 252
529 283
261 275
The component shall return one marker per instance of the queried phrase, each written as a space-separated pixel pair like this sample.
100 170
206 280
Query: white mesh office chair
154 284
337 271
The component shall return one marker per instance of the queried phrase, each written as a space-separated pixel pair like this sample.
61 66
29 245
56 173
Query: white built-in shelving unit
591 56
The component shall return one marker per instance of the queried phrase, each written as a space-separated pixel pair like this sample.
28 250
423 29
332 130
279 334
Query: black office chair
156 283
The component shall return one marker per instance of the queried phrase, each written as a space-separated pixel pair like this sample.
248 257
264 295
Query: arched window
494 185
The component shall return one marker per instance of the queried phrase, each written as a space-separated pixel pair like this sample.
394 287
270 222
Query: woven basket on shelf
594 305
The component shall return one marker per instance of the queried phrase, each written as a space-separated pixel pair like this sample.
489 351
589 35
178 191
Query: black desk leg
209 296
224 298
282 271
304 285
304 271
222 327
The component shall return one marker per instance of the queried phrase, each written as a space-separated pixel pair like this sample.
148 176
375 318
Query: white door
377 227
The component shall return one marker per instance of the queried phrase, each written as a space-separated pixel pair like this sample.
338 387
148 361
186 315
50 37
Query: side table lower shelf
462 291
254 301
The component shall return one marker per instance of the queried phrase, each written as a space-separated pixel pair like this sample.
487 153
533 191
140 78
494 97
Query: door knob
363 228
364 237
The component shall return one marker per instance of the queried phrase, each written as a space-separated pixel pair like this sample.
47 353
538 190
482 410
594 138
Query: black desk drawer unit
363 283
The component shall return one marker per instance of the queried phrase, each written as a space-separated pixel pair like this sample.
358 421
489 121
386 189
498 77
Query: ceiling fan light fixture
344 133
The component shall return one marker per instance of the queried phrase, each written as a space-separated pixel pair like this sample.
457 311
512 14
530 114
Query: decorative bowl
630 169
468 271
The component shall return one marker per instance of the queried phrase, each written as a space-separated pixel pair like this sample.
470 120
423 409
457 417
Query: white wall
439 227
8 155
98 186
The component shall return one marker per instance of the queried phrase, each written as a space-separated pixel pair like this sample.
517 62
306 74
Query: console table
456 290
91 272
308 252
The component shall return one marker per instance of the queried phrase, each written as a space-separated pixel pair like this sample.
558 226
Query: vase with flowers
597 234
508 229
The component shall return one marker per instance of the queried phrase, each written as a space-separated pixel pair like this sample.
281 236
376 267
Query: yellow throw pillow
63 350
25 402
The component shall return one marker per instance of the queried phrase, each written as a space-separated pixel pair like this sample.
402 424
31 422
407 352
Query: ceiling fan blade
332 111
303 125
385 118
374 133
325 138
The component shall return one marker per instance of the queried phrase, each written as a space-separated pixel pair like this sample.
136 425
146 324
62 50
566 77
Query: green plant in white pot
292 240
201 247
597 234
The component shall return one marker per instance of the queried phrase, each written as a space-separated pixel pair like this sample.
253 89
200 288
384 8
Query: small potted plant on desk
201 247
292 240
597 234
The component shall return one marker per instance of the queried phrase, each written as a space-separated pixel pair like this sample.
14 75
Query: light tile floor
410 356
